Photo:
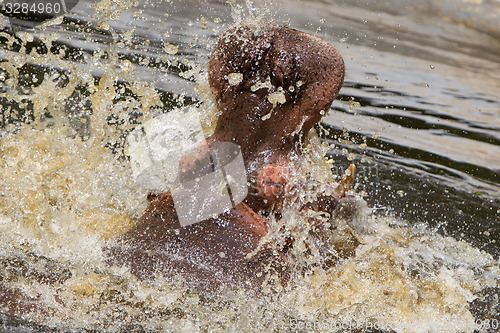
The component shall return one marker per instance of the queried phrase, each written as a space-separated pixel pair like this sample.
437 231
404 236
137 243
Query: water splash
66 187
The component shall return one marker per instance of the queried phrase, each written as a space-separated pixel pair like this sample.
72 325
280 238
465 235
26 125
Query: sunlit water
419 114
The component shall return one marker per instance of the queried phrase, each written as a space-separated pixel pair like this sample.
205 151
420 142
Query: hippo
271 84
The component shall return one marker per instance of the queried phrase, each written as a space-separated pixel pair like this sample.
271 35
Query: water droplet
234 78
171 49
277 97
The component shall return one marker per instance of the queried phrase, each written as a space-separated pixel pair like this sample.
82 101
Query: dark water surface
419 113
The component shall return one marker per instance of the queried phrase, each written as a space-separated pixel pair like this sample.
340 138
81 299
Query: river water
419 114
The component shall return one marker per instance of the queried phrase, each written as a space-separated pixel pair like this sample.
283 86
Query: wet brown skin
287 57
213 253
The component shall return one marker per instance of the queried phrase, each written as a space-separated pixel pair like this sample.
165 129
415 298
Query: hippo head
271 84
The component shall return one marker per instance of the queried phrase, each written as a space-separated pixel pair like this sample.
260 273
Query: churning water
419 114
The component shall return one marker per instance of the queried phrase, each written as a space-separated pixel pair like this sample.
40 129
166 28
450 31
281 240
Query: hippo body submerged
286 81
